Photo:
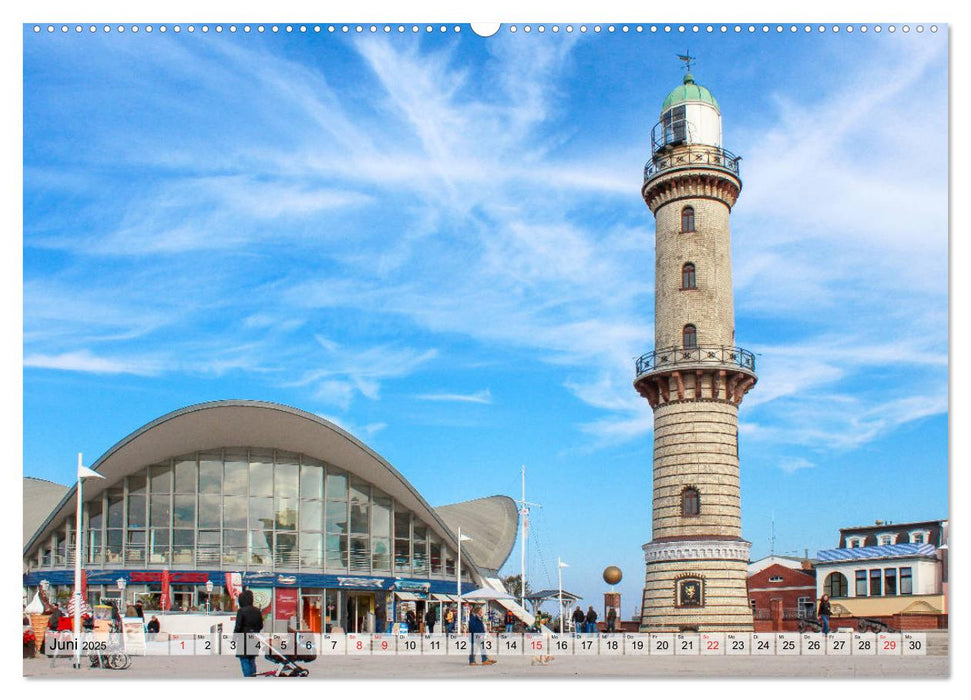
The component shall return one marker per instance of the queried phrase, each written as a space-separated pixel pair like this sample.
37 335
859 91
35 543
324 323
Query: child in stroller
288 652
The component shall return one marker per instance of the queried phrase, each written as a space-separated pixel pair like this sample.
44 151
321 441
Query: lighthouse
695 377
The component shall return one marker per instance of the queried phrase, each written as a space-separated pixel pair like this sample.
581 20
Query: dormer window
886 538
688 220
853 542
920 536
775 579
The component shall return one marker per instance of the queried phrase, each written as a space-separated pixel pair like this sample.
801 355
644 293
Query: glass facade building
279 518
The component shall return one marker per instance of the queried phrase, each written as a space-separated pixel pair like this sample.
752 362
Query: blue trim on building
97 577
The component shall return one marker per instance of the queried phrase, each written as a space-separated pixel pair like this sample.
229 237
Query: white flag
564 565
84 473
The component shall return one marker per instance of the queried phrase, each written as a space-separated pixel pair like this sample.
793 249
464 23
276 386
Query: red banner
286 603
166 602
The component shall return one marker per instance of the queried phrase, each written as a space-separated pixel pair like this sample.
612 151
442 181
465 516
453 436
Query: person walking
430 619
578 619
411 621
380 619
449 621
591 619
611 620
824 612
510 621
249 619
476 632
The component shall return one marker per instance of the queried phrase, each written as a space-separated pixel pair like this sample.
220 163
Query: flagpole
559 572
78 541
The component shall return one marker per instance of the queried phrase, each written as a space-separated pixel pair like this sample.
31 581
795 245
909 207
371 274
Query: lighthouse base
696 586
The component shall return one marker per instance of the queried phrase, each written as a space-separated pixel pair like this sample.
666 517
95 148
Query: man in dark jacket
430 619
578 619
476 632
591 627
249 619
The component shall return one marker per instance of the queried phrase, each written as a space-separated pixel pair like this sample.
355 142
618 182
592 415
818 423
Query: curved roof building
289 501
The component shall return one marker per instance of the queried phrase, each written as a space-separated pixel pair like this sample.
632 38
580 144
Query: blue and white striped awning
887 551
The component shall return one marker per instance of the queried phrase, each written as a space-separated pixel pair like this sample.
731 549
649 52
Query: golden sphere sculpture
613 575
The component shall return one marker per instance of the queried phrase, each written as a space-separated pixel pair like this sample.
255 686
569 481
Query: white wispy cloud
85 361
483 397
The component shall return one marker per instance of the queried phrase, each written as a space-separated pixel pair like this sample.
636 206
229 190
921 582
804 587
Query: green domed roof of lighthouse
689 91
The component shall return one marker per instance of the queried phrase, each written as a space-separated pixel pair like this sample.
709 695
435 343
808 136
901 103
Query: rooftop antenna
772 536
687 58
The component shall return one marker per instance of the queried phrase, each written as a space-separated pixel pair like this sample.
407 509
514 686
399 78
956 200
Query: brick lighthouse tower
695 377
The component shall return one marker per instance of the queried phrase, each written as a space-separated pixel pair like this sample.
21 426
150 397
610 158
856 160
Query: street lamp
83 473
208 597
458 577
559 571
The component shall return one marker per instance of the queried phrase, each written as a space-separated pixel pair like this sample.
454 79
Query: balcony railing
699 355
689 156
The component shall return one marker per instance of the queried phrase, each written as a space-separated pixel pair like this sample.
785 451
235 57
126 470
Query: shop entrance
358 611
311 610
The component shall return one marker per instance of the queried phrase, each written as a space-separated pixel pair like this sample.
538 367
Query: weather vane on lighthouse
687 58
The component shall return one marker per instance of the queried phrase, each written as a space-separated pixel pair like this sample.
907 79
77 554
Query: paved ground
445 667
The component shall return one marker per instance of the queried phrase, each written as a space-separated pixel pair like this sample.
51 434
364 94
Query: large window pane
136 511
337 517
234 512
419 557
311 479
236 474
402 523
95 520
159 546
287 478
261 513
185 511
113 547
210 473
94 547
234 546
259 546
381 517
261 473
183 546
861 582
890 580
360 490
161 476
336 485
185 476
311 516
359 518
360 554
311 550
876 579
435 555
161 510
116 508
136 484
135 549
336 552
285 514
207 548
210 507
381 554
285 550
402 556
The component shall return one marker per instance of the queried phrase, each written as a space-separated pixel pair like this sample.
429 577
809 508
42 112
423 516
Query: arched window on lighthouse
688 276
690 502
687 220
690 336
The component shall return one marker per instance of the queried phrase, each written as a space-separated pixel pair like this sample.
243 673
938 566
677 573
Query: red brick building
781 590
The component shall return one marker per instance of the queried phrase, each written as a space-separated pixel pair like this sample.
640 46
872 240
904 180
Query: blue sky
438 242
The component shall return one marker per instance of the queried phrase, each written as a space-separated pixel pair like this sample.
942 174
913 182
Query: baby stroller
287 662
